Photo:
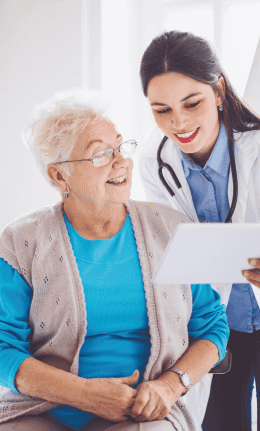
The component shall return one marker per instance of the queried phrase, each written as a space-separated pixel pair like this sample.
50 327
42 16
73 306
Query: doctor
210 140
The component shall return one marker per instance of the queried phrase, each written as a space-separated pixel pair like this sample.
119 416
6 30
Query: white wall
49 45
40 52
252 91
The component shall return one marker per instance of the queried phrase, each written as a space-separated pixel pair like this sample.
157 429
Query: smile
119 180
184 138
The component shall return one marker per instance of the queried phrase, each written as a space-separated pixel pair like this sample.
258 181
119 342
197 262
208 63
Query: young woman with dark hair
211 140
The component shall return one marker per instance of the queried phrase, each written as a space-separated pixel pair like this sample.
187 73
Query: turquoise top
118 339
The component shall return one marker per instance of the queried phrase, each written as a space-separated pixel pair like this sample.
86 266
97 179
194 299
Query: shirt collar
219 159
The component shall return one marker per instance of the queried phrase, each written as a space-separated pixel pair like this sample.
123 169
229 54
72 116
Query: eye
98 154
192 105
163 111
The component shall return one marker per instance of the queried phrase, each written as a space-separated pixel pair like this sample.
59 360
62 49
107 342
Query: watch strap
181 373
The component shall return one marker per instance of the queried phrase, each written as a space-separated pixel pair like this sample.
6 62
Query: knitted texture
37 245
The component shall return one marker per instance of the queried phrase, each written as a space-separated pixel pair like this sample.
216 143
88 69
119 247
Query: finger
140 402
154 415
123 418
159 414
254 282
254 262
252 277
130 380
148 409
130 405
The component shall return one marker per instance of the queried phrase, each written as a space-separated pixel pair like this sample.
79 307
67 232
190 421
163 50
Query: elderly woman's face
92 184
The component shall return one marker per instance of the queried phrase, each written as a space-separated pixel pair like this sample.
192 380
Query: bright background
51 45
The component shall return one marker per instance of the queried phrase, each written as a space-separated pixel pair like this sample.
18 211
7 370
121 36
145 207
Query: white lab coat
247 157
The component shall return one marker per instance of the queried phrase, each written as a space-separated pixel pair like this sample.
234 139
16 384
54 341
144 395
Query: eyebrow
182 100
99 141
190 95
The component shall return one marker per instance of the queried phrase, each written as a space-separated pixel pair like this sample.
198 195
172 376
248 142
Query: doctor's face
186 111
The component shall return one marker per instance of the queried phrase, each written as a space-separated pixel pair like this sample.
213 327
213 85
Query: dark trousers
229 405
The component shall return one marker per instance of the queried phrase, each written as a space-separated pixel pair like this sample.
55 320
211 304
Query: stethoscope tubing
184 204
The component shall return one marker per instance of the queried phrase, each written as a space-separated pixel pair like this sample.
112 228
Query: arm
155 398
209 332
15 300
109 398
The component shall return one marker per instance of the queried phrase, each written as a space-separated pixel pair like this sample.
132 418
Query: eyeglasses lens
127 149
102 160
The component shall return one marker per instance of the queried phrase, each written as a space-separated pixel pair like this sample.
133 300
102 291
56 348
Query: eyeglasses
102 158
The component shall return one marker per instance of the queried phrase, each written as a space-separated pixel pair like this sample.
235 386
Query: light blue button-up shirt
209 190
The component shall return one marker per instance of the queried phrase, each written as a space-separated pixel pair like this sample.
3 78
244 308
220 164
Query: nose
119 161
178 121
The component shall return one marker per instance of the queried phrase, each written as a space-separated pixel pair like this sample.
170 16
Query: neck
95 223
202 158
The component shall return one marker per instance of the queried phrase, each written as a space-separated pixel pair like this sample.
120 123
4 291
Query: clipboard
207 253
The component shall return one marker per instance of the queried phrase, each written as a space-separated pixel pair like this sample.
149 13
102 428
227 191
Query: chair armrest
224 366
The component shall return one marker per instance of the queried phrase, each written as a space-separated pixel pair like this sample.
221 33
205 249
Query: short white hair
57 123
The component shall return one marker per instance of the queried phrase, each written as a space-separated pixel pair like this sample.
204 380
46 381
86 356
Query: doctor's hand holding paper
203 158
253 275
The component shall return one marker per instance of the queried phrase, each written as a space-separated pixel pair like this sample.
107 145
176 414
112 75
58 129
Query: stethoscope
183 201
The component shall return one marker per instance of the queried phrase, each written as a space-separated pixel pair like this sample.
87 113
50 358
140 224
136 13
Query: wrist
85 395
174 383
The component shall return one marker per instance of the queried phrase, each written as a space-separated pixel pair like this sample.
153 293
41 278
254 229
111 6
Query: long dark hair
175 51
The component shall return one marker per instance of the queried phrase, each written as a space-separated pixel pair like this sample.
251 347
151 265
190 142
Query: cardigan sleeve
15 301
208 319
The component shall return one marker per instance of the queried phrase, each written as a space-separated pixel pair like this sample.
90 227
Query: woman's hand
154 401
110 398
252 275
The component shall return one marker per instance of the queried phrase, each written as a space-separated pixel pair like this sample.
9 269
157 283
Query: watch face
186 380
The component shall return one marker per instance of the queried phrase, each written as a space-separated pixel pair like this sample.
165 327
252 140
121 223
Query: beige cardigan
37 245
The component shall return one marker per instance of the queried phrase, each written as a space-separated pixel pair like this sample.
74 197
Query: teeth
186 135
117 180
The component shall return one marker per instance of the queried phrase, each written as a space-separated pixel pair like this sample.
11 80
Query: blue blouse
118 339
209 190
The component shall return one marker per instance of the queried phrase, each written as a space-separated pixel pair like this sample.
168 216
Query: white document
207 253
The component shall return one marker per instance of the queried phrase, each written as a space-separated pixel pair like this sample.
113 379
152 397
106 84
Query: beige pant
46 423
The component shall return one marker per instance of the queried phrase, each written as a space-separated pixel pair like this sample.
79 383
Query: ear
222 89
56 177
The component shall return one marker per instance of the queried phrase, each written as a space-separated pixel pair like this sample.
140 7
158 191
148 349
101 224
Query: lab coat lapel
245 156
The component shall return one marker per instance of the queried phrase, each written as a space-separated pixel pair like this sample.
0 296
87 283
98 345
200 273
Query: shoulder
251 137
19 240
39 217
28 228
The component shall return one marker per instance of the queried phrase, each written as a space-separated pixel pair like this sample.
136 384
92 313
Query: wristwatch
185 379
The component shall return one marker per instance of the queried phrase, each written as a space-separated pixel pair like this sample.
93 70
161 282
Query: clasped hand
253 275
114 399
153 401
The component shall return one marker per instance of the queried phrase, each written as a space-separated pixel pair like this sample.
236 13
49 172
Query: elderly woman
87 342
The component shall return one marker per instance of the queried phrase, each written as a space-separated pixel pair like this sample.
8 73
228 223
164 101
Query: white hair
57 124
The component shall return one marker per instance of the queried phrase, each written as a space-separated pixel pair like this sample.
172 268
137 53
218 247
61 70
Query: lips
188 139
118 180
117 183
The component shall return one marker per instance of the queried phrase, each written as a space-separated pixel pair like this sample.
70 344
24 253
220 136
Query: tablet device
207 253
